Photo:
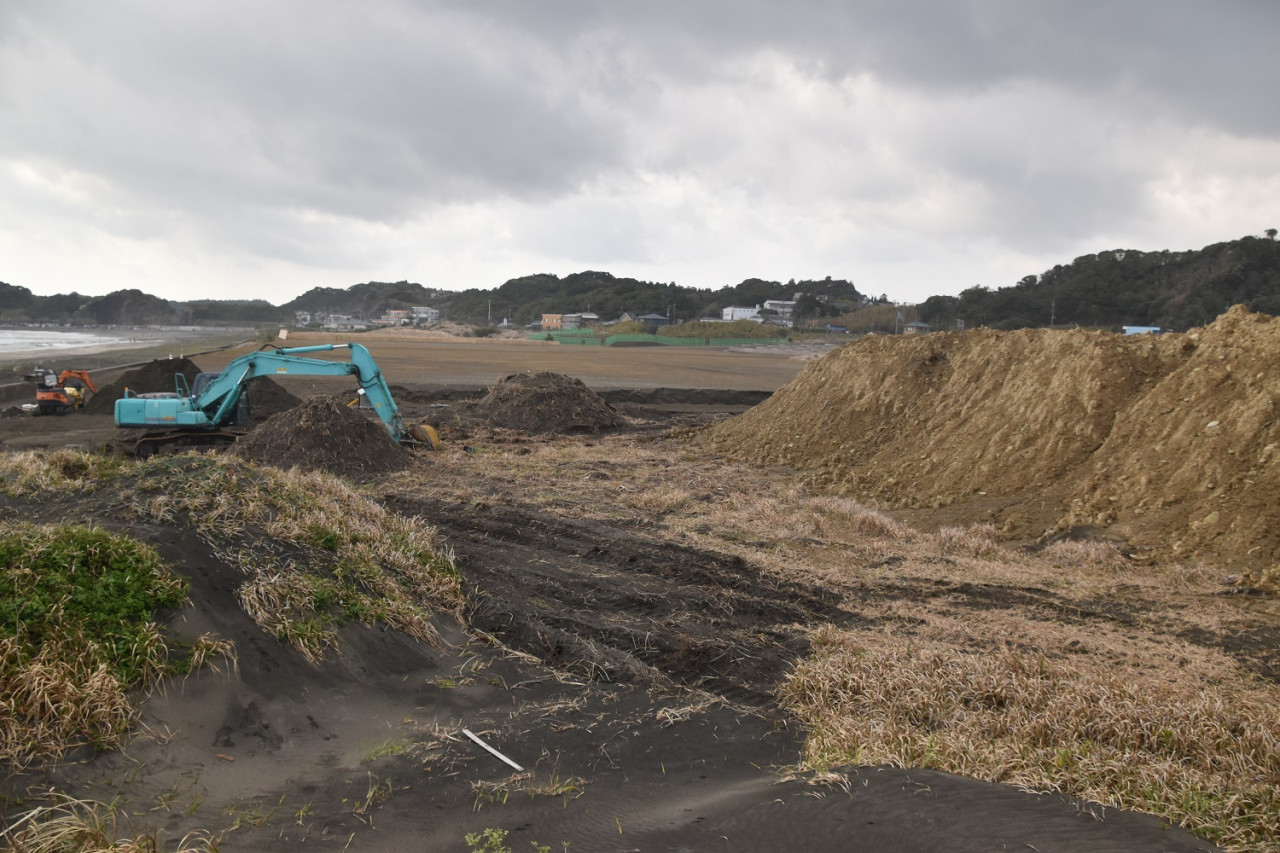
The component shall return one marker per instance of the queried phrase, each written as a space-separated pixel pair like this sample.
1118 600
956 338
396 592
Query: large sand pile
1170 441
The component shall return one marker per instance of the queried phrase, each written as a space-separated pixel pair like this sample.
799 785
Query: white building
735 312
784 308
425 314
343 323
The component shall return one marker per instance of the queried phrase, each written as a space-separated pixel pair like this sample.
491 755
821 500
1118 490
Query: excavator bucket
426 434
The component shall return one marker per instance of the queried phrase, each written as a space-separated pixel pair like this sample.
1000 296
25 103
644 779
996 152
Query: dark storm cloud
384 109
1212 61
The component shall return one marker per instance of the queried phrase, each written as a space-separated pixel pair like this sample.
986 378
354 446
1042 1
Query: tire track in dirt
614 605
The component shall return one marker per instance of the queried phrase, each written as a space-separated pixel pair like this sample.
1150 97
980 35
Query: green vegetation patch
739 329
78 582
76 632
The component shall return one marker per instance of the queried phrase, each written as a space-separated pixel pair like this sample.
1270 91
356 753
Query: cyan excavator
205 415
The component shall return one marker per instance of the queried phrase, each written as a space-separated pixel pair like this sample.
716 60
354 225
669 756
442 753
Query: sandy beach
99 349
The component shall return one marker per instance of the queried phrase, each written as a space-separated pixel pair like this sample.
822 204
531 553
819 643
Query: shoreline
111 354
111 338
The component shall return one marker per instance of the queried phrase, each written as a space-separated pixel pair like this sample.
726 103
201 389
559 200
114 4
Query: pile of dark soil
155 377
538 403
322 434
1169 441
267 398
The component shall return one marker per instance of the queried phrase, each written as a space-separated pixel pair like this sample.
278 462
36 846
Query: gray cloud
319 140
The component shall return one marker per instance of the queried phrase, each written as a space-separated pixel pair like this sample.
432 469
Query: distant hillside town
1107 290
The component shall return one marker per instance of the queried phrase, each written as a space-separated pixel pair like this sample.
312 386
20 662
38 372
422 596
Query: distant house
552 322
784 308
1142 330
737 312
653 321
915 328
302 318
343 323
394 317
581 320
837 330
425 314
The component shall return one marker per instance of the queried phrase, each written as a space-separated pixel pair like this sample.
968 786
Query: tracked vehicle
214 411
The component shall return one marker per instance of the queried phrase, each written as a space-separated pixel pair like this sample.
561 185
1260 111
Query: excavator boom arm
215 405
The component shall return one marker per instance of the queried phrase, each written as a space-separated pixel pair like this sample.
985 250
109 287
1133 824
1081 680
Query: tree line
1110 289
1124 287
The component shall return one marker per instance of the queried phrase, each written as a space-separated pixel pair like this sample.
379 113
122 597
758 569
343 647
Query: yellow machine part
427 434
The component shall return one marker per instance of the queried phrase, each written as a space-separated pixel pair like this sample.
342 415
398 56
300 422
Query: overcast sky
258 148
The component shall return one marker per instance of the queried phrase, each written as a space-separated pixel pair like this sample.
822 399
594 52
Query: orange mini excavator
59 393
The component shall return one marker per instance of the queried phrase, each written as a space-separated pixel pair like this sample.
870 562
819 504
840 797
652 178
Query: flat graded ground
636 609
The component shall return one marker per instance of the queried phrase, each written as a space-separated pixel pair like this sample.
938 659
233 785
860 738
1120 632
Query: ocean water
38 341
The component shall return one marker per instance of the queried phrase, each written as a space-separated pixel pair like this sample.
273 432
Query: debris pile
1168 441
538 403
323 434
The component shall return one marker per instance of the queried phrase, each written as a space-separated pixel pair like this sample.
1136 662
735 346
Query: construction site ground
648 590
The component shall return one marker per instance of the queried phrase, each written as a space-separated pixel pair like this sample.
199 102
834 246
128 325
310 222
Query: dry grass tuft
978 540
31 472
68 825
1086 554
1206 759
56 700
663 499
314 551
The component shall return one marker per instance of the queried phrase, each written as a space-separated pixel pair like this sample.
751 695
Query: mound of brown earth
1168 440
152 378
322 434
267 398
538 403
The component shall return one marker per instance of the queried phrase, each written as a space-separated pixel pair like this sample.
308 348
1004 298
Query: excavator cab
239 415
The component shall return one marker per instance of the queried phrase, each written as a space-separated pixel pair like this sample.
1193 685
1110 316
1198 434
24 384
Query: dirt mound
267 398
154 377
538 403
1170 440
322 434
265 394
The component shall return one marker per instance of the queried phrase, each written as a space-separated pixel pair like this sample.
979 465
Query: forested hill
366 300
1123 287
524 300
1120 287
131 308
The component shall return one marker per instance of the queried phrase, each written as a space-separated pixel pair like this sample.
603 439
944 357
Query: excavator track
163 443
